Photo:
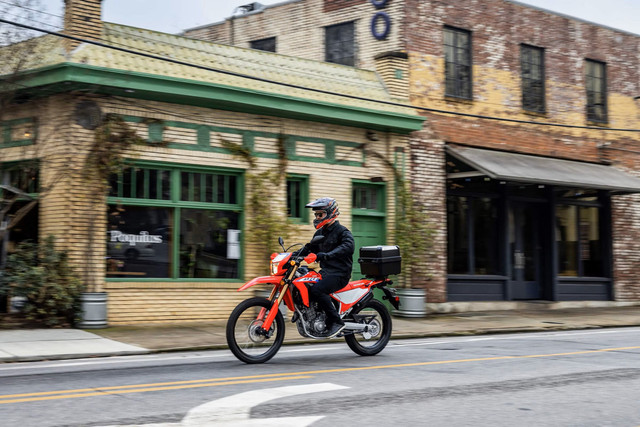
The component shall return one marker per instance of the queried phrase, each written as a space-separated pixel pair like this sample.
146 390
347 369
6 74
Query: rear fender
262 280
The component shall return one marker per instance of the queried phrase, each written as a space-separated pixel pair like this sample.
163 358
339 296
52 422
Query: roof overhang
522 168
65 77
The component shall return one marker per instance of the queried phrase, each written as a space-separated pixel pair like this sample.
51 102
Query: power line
294 86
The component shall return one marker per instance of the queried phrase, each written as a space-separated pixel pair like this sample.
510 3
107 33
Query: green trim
248 141
304 195
71 76
6 128
176 205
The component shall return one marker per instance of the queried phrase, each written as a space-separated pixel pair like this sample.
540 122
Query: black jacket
338 246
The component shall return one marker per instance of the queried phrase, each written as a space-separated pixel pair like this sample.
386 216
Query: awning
523 168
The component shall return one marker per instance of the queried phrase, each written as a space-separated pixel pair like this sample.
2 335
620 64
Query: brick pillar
393 68
83 19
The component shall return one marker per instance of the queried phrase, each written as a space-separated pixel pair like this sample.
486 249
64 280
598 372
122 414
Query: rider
335 255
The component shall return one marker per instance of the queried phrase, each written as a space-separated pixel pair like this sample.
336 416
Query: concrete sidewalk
46 344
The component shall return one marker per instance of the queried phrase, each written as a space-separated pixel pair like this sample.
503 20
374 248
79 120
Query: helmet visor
320 214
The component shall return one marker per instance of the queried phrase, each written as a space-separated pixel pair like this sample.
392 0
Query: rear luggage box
379 261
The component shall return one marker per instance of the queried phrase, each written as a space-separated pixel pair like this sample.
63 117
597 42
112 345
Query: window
268 44
596 83
340 44
457 56
578 241
173 223
472 233
297 195
532 66
367 197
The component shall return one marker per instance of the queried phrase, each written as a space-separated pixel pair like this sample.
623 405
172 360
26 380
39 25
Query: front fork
267 319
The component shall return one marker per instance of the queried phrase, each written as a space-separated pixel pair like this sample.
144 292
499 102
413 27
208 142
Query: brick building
209 127
528 160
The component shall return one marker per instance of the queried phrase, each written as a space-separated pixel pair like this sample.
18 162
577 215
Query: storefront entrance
526 250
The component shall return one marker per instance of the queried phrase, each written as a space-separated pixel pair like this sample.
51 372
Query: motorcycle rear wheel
376 339
243 337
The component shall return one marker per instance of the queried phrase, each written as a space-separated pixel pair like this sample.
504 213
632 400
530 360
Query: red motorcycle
256 328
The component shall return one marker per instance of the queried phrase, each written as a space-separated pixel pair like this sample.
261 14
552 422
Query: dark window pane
209 244
532 66
590 245
138 242
340 44
485 219
457 56
268 44
567 240
596 83
294 198
457 235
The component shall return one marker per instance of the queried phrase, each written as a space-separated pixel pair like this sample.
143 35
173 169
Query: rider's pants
320 292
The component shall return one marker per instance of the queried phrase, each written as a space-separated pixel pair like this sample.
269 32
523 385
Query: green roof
120 69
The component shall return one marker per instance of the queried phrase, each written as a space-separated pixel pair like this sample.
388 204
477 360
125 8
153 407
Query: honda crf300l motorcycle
256 327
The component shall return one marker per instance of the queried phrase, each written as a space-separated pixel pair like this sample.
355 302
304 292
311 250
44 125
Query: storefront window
139 242
578 240
472 231
457 235
485 236
209 244
173 223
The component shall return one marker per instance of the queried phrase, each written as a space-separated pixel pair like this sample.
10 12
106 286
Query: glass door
525 241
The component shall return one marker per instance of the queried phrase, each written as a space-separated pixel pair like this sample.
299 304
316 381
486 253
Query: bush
42 275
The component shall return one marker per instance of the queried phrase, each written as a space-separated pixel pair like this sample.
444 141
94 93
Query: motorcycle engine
314 320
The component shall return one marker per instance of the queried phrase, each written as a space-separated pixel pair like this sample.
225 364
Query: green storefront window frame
175 203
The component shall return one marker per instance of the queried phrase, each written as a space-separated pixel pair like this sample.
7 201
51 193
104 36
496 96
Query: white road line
236 410
513 337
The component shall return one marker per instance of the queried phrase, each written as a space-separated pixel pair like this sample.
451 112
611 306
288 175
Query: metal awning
543 170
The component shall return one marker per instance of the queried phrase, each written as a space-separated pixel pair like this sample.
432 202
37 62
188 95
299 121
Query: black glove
321 256
301 252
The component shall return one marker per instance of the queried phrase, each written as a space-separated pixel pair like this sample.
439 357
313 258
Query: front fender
272 280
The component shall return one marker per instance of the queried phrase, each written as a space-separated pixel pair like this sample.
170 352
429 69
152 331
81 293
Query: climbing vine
413 229
268 217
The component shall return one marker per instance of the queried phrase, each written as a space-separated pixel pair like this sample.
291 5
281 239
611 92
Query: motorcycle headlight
274 268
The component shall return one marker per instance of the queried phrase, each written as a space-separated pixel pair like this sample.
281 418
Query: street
580 378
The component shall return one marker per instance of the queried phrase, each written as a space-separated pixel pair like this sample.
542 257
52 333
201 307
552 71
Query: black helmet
326 210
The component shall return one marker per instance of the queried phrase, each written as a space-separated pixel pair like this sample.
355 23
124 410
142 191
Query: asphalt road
572 378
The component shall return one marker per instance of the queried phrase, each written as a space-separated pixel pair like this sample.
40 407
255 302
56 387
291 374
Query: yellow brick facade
73 208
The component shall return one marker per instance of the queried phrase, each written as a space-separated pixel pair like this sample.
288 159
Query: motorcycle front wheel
245 336
378 320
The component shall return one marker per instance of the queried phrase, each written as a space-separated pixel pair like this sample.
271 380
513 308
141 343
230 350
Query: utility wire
293 86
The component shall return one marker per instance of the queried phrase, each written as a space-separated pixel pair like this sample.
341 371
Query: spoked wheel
377 317
247 340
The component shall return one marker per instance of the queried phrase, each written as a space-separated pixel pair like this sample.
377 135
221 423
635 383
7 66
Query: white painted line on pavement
235 410
533 335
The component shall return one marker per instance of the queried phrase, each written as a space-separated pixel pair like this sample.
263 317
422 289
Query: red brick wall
332 5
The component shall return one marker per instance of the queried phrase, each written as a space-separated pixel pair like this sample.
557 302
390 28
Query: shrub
42 275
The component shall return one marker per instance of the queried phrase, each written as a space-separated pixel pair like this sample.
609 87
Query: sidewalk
46 344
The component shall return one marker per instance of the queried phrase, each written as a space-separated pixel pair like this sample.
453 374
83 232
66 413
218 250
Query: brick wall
299 28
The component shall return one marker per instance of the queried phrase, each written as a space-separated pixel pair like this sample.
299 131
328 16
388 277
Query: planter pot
94 310
412 303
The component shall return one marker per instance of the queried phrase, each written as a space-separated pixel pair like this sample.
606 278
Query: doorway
526 240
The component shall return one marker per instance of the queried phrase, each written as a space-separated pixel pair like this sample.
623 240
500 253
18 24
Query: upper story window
596 84
457 57
532 66
268 44
339 42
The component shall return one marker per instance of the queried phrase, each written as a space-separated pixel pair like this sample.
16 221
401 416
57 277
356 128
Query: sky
174 16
